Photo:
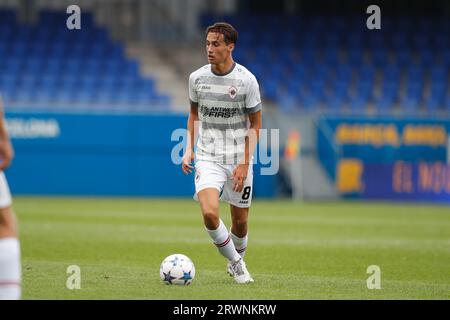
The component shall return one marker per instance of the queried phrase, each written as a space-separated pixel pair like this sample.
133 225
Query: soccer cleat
229 270
240 272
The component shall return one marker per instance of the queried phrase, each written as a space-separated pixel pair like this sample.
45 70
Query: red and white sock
239 243
10 269
222 240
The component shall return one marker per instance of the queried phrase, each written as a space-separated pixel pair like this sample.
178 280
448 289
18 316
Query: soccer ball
177 269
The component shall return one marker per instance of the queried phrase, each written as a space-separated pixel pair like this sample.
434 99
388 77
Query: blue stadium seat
391 73
34 65
398 41
19 48
413 95
23 95
8 17
44 96
288 103
308 56
110 83
239 56
403 57
294 86
433 103
438 75
8 82
441 41
340 88
445 56
421 41
287 41
47 83
427 58
410 103
13 65
366 73
106 97
354 39
39 50
6 33
447 102
85 97
344 71
334 102
355 57
385 103
311 102
358 104
299 71
65 96
415 74
270 90
331 57
375 41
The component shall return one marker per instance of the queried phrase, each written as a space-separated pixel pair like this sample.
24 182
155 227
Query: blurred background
361 113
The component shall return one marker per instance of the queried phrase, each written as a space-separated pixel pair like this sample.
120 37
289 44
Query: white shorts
210 174
5 195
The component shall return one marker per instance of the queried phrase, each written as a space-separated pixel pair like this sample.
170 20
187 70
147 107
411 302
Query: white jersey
224 102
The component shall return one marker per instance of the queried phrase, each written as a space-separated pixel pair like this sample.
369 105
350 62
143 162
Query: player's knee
210 215
240 222
211 219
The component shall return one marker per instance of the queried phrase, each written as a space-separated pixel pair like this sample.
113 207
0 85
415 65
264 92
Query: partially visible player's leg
239 227
209 203
209 180
239 206
238 231
10 268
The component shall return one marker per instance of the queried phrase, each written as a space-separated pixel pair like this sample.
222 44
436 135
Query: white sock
223 242
239 243
10 269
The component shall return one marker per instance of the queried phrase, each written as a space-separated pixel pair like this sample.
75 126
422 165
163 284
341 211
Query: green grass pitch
296 251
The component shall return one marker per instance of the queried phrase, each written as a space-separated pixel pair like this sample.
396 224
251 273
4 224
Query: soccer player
226 106
10 269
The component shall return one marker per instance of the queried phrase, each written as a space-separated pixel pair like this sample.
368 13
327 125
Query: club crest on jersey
232 91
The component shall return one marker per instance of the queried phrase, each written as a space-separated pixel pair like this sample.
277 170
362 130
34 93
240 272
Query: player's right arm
188 156
6 149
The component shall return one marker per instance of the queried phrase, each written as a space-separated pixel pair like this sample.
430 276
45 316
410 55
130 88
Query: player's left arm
252 137
253 109
6 149
251 140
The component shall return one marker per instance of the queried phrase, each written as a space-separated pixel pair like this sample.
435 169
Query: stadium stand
48 65
302 63
332 64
